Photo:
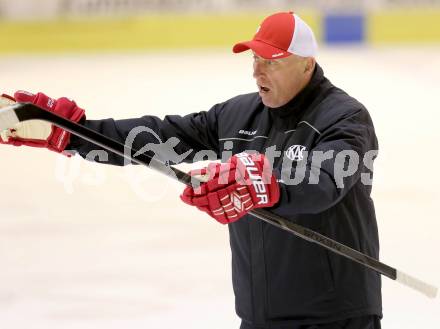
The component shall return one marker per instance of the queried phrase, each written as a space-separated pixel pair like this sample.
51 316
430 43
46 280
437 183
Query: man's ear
310 65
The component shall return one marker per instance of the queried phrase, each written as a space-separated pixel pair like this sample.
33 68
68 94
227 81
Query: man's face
279 80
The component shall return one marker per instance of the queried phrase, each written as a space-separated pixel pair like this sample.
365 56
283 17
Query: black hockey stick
14 114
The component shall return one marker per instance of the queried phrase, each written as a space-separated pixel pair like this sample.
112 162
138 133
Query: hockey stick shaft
11 115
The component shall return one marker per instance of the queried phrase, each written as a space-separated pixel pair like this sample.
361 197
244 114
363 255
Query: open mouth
263 89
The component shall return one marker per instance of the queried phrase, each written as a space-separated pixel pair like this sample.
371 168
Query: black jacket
277 277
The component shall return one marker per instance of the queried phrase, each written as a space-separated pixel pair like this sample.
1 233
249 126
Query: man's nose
258 68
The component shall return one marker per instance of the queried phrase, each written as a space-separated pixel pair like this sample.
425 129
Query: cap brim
262 49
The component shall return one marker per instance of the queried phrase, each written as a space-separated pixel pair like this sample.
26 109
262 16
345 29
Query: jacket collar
303 98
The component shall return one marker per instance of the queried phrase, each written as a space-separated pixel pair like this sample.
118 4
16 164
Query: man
302 148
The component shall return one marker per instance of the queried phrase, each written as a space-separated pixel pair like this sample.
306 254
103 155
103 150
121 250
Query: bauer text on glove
234 188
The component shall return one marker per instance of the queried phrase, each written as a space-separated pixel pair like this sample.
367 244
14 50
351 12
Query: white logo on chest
247 132
295 152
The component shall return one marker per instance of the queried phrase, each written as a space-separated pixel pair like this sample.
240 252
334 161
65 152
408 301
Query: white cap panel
303 40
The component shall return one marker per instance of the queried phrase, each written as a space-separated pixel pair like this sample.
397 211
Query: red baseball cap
281 35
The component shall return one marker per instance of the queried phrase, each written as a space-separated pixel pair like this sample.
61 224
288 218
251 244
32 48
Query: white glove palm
34 129
38 133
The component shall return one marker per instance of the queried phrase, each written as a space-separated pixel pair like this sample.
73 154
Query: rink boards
209 30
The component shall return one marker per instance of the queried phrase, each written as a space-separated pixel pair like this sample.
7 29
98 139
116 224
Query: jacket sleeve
341 157
174 139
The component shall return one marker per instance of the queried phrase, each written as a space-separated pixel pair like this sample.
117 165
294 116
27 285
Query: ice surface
90 246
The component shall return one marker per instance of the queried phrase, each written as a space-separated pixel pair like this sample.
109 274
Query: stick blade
416 284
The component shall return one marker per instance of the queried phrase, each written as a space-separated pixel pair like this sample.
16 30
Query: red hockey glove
234 188
38 133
